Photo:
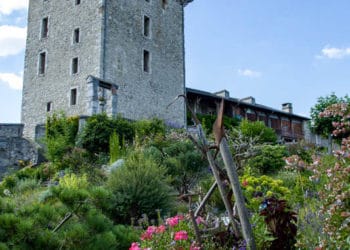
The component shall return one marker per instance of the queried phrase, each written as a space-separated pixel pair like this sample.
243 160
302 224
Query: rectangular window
146 61
75 65
73 96
42 63
77 2
76 36
164 4
146 26
48 106
44 27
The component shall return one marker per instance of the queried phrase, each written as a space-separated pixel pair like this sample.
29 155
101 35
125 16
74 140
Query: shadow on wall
14 148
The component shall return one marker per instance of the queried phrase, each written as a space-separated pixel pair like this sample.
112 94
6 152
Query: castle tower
119 56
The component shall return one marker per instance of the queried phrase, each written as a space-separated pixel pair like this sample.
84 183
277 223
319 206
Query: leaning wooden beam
196 229
205 199
205 148
230 165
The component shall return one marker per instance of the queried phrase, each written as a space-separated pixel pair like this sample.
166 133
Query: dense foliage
141 201
323 125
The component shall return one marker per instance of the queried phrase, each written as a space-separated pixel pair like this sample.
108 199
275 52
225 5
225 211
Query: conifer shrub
140 186
269 159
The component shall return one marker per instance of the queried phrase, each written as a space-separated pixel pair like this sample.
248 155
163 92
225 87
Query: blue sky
275 50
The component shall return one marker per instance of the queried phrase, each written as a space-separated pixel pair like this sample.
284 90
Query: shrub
149 131
98 129
256 188
270 159
60 135
207 121
258 129
185 165
125 236
140 187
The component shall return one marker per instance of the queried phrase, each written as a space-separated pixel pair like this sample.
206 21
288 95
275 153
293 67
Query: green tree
323 125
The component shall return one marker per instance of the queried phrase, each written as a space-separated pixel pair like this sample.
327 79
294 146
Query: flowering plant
335 191
176 234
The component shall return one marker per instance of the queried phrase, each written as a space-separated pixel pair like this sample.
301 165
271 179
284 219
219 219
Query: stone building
120 56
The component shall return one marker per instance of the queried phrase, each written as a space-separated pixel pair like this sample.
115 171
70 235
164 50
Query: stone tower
119 56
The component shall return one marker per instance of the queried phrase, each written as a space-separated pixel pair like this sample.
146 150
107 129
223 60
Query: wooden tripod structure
230 166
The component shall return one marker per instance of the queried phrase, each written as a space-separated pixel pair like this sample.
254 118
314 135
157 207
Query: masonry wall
146 94
14 148
55 85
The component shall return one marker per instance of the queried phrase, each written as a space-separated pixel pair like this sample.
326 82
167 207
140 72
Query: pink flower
146 236
135 246
151 229
160 229
173 221
244 183
199 220
181 235
194 246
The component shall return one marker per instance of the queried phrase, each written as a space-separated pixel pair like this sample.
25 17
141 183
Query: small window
77 2
164 4
44 27
73 97
48 106
75 65
146 61
146 26
76 35
42 63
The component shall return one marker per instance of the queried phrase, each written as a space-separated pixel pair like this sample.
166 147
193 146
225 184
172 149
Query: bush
270 159
259 130
98 129
207 121
147 131
60 135
185 165
140 187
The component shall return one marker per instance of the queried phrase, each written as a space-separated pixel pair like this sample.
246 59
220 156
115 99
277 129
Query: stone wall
56 83
143 94
15 148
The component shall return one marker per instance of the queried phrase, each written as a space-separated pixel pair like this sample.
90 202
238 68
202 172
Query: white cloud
12 80
12 40
335 53
249 73
8 6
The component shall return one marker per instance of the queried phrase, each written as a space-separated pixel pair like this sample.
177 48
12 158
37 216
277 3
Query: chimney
223 93
287 107
249 99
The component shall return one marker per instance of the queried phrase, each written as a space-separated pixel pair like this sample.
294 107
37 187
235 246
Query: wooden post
219 134
236 188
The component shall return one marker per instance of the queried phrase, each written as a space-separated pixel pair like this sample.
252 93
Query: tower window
77 2
146 61
73 97
42 63
164 4
44 27
146 26
48 106
75 65
76 35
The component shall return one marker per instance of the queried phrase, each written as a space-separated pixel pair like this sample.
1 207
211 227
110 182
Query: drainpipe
103 40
